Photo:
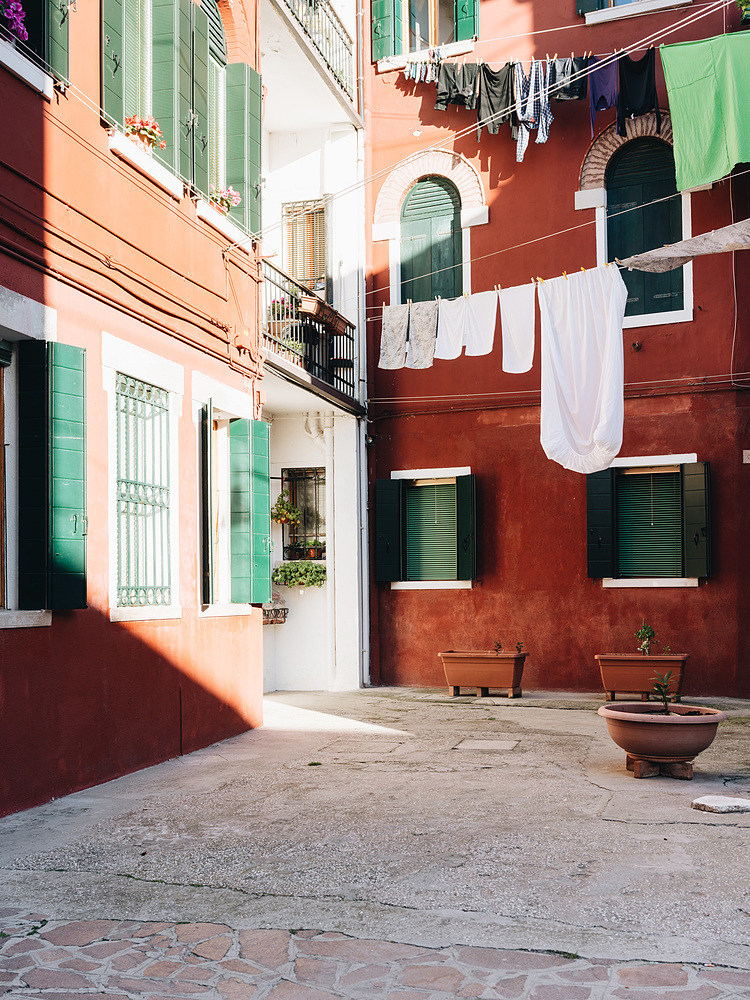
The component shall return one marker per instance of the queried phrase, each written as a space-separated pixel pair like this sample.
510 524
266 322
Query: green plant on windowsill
284 511
299 574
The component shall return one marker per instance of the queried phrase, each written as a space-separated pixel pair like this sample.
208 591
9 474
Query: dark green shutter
466 532
112 96
250 511
51 476
165 20
207 493
465 19
584 6
431 531
431 242
387 35
200 100
243 140
600 524
649 524
216 37
387 530
696 507
58 18
185 90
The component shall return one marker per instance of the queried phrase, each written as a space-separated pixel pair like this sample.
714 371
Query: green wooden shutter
649 524
52 476
465 19
431 241
185 90
584 6
243 140
387 32
207 493
200 100
696 507
387 530
112 61
164 56
250 511
431 531
58 18
466 518
600 524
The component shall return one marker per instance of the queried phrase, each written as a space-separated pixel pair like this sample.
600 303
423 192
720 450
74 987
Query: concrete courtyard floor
387 844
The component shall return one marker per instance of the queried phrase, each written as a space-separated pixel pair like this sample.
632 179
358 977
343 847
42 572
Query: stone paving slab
46 959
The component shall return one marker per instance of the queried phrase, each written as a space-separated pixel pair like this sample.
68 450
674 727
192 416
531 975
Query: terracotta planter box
483 670
634 673
657 743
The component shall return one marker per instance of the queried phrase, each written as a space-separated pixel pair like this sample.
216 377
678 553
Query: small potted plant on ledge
661 739
496 668
284 511
145 133
744 7
316 549
299 574
224 199
634 672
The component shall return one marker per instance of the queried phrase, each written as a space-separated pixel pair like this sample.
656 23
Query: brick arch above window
606 144
436 162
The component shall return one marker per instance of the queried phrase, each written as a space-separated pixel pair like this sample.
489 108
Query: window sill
658 319
147 614
391 63
238 237
22 67
25 619
678 582
121 146
432 584
225 610
633 10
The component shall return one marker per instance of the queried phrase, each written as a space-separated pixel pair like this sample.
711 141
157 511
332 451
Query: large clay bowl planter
645 735
633 672
483 670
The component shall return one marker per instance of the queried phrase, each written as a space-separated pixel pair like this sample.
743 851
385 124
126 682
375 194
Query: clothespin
583 268
540 280
565 275
554 56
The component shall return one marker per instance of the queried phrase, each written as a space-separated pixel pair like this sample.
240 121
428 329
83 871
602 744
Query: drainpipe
330 549
360 60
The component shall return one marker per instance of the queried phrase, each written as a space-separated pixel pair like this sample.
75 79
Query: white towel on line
517 322
480 321
450 335
582 404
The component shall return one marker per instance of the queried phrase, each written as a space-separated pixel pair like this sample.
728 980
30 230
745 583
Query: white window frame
431 584
21 66
227 403
631 583
633 9
21 318
121 356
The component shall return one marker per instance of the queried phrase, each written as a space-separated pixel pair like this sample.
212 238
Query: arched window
641 173
431 241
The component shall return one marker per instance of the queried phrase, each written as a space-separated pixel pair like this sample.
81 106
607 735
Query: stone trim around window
634 9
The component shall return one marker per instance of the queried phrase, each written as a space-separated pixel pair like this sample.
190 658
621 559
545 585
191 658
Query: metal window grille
143 552
307 491
305 227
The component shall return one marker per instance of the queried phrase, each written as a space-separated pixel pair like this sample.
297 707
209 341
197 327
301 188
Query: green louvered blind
112 69
431 552
250 511
243 140
51 476
192 95
649 524
216 40
137 57
164 57
387 530
217 125
431 241
642 173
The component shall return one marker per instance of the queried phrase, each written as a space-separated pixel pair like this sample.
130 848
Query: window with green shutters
46 23
431 264
52 523
430 23
649 522
425 529
137 58
642 215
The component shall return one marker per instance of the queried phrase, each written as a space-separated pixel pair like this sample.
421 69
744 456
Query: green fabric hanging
708 82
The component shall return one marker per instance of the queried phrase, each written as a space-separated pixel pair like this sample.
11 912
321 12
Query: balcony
329 36
302 329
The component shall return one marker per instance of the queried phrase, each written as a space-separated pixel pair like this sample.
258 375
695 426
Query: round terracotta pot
645 735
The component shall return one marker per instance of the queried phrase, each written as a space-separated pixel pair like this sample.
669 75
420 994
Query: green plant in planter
646 638
498 647
663 689
299 574
284 511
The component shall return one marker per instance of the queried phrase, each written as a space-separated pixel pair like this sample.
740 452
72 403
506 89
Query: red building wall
532 583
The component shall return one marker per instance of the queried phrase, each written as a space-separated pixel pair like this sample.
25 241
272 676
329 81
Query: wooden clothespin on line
565 275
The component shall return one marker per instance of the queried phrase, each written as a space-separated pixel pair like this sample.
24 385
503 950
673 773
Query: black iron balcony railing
330 38
301 328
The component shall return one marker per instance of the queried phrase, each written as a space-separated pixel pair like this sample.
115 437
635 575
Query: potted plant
661 739
299 574
634 672
11 21
145 132
224 199
316 549
744 8
496 668
284 511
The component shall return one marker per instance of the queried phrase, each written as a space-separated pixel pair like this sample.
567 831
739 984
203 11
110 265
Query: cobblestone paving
45 959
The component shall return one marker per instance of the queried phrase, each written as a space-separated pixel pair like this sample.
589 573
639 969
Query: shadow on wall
87 700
